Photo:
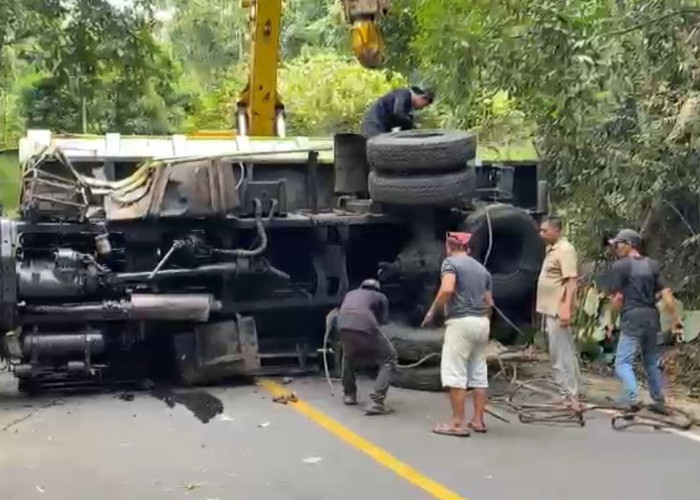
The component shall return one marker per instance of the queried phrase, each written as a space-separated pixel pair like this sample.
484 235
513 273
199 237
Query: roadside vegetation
605 92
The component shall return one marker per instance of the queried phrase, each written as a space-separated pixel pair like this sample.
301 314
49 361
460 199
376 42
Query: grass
9 180
511 151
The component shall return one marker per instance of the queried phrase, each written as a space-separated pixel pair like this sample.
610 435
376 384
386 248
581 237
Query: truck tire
427 150
28 387
413 344
450 189
516 252
418 379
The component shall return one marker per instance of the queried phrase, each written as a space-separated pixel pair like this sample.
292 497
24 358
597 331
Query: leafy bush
326 93
609 90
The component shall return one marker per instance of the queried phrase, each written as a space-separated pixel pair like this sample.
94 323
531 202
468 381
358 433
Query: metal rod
165 258
312 186
237 156
62 185
56 200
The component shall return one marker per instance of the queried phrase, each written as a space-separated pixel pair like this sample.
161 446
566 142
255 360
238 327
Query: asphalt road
99 446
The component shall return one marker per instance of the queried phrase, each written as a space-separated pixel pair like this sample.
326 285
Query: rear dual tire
421 150
418 379
449 189
422 168
516 250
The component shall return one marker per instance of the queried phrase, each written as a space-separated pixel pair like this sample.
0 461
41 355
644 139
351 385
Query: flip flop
479 430
448 430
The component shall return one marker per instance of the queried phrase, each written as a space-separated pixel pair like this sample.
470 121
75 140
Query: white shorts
463 363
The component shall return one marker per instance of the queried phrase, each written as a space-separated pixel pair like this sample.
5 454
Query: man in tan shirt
555 302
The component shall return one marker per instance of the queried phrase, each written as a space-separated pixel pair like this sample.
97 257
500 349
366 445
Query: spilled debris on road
203 405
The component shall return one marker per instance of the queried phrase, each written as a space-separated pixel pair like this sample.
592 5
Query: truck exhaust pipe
173 307
141 306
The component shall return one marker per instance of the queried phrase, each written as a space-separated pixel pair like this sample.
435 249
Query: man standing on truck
395 109
465 297
360 315
556 289
635 282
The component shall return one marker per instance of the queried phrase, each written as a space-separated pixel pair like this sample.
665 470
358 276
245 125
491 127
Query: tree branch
647 220
680 215
659 19
17 38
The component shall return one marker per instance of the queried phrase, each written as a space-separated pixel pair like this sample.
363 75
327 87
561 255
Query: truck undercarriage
127 267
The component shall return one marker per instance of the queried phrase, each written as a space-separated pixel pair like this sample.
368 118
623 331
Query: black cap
427 92
629 236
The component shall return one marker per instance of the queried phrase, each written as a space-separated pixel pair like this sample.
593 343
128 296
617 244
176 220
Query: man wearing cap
395 109
556 288
359 317
635 283
465 298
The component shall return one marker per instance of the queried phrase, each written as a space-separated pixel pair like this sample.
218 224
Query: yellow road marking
378 454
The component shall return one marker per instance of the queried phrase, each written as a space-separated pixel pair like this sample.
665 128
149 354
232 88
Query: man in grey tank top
465 298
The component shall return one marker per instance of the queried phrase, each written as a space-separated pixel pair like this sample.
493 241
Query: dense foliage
608 89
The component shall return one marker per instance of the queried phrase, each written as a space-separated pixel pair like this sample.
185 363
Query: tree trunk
83 113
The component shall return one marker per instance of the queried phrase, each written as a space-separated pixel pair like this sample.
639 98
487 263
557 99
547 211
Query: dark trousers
361 350
371 128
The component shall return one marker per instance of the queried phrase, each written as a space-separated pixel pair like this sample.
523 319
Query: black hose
277 272
210 269
229 267
261 234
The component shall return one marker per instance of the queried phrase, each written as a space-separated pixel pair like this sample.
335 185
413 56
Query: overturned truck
206 258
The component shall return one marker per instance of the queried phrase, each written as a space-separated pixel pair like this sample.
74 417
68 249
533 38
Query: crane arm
366 38
260 111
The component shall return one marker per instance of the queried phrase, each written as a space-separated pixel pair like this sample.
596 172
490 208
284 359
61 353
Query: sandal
449 430
479 430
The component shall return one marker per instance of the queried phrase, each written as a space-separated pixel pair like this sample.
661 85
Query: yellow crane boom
260 111
366 39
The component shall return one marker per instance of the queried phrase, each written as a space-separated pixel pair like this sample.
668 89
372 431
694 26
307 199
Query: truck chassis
214 266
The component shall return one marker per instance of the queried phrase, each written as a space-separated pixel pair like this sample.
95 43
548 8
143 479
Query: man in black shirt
395 109
635 283
359 317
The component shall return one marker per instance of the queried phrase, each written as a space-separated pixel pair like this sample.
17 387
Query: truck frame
135 258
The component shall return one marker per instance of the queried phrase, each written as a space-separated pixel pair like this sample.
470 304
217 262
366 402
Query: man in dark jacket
395 109
359 317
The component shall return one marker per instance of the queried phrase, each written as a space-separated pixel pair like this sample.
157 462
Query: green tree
342 91
604 85
209 37
25 25
24 20
107 72
312 23
215 108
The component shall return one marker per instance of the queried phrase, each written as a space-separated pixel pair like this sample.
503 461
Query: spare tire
414 344
450 189
514 250
419 379
409 150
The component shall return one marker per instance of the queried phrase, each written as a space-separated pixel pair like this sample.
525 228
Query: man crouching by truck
465 296
359 317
